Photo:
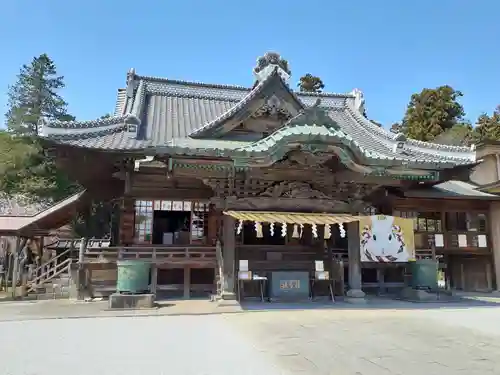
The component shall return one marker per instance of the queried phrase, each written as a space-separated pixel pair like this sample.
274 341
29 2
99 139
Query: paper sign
438 240
176 206
319 266
243 265
462 240
157 205
481 239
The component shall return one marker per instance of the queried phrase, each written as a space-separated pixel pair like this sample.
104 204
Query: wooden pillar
15 266
355 291
462 275
81 282
489 281
127 219
154 278
494 241
212 225
187 282
228 254
381 280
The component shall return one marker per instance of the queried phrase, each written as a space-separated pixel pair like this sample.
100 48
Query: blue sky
389 49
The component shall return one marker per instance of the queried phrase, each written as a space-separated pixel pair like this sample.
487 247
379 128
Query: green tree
488 127
310 83
459 135
30 170
35 96
431 112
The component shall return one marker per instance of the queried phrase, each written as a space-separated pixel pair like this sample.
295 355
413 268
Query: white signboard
243 265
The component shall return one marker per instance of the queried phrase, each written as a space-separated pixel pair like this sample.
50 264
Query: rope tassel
341 230
258 229
314 229
283 230
328 232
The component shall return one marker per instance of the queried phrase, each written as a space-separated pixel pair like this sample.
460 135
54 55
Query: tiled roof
19 206
452 189
42 219
168 111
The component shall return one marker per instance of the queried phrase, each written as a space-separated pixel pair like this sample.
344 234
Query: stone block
131 301
411 294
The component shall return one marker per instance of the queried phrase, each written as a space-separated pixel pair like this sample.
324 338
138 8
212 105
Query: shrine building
212 181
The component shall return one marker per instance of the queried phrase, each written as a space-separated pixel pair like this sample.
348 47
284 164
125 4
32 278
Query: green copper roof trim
312 138
434 176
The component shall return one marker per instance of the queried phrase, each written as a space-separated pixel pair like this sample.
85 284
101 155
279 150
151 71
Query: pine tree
310 83
34 96
432 112
488 127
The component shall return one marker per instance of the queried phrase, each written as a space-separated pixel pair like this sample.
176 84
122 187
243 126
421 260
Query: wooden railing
49 272
169 254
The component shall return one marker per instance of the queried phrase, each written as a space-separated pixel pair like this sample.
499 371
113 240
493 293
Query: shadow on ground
372 303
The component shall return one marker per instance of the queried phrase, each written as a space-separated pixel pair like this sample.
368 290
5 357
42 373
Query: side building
275 178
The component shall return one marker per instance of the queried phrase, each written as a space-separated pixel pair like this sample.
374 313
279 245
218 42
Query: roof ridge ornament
131 82
268 63
359 100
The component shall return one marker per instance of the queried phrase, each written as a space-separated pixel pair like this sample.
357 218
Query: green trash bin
424 274
133 276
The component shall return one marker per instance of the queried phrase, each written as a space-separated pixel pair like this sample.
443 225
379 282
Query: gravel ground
187 345
376 342
357 341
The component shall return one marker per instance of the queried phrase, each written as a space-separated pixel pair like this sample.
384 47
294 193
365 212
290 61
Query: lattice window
144 212
144 220
429 222
199 222
466 221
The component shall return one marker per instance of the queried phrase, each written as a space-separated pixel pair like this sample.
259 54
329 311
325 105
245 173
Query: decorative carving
306 158
271 58
275 109
314 115
293 189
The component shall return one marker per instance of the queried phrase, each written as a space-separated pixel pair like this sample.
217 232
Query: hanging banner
386 239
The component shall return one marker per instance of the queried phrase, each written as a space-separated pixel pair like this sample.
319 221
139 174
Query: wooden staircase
52 279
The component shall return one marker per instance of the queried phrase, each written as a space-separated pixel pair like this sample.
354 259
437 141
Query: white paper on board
319 265
481 239
439 240
243 265
462 240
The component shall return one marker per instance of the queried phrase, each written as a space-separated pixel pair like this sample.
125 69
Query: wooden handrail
51 260
50 274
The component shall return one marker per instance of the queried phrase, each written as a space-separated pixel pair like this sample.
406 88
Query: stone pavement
61 309
196 337
376 342
187 345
